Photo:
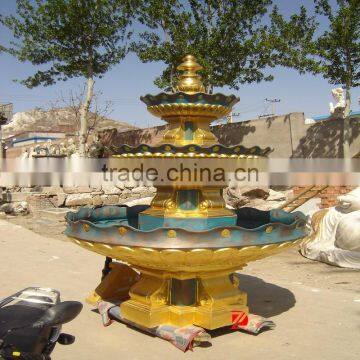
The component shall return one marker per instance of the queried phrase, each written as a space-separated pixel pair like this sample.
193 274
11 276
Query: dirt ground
316 307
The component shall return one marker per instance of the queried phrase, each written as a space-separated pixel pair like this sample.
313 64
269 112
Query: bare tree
72 103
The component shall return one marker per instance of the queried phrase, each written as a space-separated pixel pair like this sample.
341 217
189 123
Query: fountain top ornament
190 82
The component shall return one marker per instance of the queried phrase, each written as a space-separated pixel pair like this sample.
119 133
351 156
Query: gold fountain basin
185 276
186 263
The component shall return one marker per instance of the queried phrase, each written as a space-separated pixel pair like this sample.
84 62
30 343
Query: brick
39 202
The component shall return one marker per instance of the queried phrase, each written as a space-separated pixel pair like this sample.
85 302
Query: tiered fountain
187 243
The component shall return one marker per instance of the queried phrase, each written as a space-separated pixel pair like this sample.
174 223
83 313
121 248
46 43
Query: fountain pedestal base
206 300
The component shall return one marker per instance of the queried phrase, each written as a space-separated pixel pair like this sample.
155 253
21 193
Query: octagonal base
158 298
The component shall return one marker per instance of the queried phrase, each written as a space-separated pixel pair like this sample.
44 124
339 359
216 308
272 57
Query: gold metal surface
190 82
225 233
176 133
216 298
200 115
182 155
269 229
115 286
315 225
208 270
186 264
189 124
122 230
171 234
166 204
216 295
177 111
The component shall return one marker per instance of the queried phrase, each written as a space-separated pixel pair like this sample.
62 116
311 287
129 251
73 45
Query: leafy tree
338 48
333 53
230 39
291 40
72 38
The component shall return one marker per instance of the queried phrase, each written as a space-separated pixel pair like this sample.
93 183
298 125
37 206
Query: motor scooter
30 323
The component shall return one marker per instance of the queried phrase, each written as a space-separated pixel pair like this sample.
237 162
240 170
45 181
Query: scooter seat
28 339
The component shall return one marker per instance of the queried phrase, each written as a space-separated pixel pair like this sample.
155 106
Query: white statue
339 107
336 233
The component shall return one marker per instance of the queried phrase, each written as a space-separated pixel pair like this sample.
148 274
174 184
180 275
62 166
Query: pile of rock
39 198
18 208
261 198
106 195
58 120
22 200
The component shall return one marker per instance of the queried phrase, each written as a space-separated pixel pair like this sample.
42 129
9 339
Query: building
32 138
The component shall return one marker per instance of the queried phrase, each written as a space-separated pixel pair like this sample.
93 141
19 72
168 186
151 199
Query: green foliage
334 53
72 38
338 48
230 39
292 41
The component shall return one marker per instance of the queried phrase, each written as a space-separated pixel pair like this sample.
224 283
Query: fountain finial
190 82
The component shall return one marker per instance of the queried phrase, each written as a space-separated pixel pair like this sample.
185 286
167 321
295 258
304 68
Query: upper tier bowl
200 105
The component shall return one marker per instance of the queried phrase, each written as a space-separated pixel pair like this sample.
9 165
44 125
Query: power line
272 103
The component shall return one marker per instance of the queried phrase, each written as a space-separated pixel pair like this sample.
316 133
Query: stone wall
39 198
287 135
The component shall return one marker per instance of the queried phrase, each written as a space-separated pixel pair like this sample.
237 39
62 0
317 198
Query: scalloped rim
187 262
161 233
217 149
203 232
169 98
193 250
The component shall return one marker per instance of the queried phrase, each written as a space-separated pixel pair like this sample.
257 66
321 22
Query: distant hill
58 120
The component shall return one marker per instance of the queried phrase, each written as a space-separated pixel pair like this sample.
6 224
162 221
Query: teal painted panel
148 222
189 130
188 199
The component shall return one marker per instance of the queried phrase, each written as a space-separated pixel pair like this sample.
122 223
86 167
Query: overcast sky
126 82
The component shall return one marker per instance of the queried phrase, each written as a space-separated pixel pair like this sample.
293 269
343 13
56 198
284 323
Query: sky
126 82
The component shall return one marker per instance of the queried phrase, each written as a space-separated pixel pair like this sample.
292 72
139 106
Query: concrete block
78 200
53 213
